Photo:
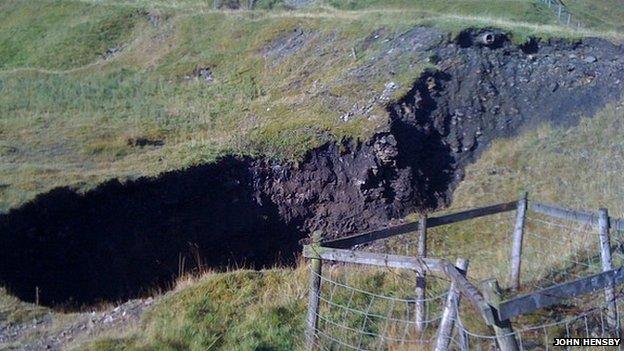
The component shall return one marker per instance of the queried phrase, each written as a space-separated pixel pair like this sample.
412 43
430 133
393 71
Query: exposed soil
119 240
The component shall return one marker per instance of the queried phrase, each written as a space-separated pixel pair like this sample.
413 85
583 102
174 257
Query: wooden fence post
518 234
504 332
314 294
421 284
449 315
607 265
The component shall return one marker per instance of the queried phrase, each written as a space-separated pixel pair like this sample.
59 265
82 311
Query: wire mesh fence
563 15
374 309
352 317
489 255
556 250
586 317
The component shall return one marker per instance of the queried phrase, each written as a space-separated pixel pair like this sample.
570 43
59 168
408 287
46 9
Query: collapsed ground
80 108
122 239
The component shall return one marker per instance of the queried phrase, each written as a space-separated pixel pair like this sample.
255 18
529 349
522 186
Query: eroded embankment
120 239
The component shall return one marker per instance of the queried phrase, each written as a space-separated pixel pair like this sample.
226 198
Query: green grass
579 168
244 311
68 117
602 14
12 310
55 34
250 310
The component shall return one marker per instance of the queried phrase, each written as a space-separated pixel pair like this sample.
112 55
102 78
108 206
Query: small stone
204 74
590 59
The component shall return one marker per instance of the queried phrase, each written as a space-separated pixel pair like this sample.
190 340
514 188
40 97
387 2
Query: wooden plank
607 265
449 315
470 292
350 241
564 213
421 283
313 297
428 265
375 259
418 264
516 251
363 238
579 216
505 335
553 295
471 214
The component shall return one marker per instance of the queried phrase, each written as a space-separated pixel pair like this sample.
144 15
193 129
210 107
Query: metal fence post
505 335
421 284
518 234
607 265
450 314
314 294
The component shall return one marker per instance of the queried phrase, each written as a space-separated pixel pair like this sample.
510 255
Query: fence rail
485 299
553 295
432 222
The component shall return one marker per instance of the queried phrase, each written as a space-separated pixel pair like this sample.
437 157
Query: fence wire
570 319
564 16
375 309
352 316
554 251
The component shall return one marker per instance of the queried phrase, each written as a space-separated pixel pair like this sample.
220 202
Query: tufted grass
69 116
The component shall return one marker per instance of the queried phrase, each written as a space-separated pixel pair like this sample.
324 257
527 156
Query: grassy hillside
91 90
95 90
605 14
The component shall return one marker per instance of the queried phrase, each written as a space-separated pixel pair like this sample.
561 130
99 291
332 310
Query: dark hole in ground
120 239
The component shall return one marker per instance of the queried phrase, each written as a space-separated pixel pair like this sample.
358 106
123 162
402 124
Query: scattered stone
590 59
111 52
154 19
204 74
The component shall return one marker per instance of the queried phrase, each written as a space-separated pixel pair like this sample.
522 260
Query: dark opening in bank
119 240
